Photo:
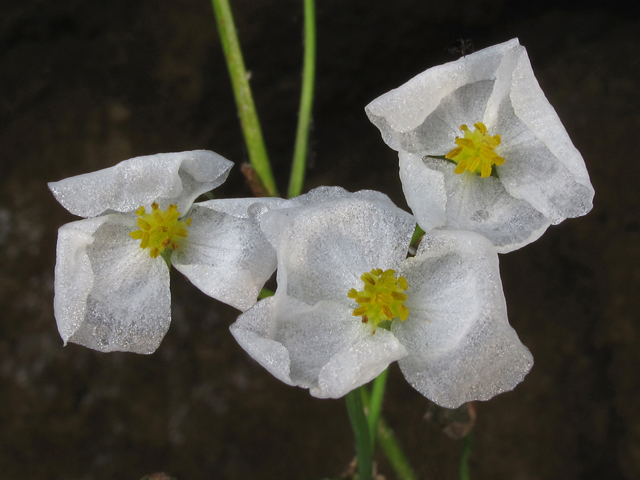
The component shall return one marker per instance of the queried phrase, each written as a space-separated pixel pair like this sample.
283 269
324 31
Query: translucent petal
424 190
226 256
367 358
326 349
313 335
532 107
532 172
406 107
244 207
252 331
461 346
436 135
329 194
74 277
322 194
164 178
109 294
324 247
309 335
482 205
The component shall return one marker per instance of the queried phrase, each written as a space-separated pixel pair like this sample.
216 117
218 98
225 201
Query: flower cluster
486 167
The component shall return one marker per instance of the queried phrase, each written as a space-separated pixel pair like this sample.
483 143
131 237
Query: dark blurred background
86 84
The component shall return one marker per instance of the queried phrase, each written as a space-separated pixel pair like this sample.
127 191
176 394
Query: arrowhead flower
349 302
112 276
482 149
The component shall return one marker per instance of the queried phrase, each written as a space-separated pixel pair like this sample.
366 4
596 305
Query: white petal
226 256
437 134
329 194
74 278
462 85
424 189
533 108
109 294
534 173
461 346
367 358
321 194
323 248
482 205
311 335
252 331
244 207
323 348
164 178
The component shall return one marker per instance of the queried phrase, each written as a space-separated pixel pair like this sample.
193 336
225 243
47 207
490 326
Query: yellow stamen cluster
382 299
475 151
160 229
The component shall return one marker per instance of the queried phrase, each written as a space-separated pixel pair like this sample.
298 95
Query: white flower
482 149
111 277
326 331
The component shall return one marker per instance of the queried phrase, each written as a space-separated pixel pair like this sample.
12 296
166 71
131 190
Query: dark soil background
86 84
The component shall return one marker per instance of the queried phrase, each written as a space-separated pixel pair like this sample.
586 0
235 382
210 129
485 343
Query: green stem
418 232
385 436
360 428
264 293
394 453
464 460
375 403
298 167
242 92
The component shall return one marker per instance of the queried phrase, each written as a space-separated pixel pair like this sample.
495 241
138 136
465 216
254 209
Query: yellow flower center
475 151
382 299
160 229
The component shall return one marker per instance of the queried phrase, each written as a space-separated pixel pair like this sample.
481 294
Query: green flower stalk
242 92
